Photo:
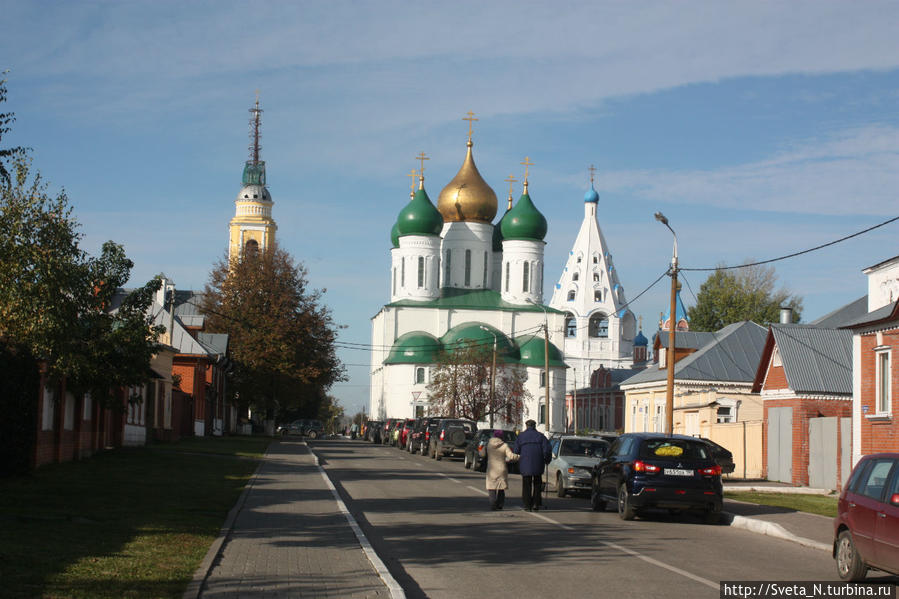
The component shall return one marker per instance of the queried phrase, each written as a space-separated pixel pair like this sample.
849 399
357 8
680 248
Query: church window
578 259
403 272
252 246
484 284
525 276
394 281
447 268
507 276
542 379
468 268
599 326
596 277
421 272
571 295
570 325
575 277
597 295
595 259
419 376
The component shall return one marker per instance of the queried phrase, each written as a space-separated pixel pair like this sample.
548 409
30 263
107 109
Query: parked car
306 427
452 435
866 528
423 440
373 431
405 431
574 458
724 457
652 470
478 443
387 430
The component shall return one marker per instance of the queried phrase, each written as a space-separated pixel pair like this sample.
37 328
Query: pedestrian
498 457
354 430
535 453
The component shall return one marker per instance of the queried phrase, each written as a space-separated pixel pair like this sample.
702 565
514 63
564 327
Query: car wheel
560 488
625 510
466 463
596 501
313 435
849 564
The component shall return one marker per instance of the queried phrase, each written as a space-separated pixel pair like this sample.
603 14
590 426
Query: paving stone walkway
289 539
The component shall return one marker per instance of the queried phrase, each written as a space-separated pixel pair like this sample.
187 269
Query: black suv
451 437
421 434
652 470
479 442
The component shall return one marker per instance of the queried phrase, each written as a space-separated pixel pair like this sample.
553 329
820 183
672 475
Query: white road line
396 591
449 477
481 491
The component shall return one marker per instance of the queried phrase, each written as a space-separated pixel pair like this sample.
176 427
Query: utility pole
492 406
672 327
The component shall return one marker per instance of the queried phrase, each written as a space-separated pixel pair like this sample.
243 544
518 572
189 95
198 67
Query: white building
455 275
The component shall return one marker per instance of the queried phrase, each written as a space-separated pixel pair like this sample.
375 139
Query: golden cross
592 170
412 174
421 158
510 180
470 118
527 164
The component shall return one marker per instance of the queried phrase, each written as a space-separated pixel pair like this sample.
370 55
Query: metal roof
815 359
216 343
686 339
732 355
882 313
844 314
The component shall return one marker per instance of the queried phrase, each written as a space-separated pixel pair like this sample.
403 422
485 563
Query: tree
280 335
735 295
460 385
7 119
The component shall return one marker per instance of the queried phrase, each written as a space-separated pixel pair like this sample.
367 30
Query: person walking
498 457
535 452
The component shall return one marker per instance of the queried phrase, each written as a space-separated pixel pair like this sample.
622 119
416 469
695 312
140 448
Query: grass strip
131 522
825 505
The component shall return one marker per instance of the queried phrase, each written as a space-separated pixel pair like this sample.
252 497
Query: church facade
457 276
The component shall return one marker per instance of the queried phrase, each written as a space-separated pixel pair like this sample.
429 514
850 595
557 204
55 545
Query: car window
509 436
625 447
674 449
583 447
876 479
859 475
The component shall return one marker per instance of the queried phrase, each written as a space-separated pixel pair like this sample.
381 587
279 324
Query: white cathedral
455 275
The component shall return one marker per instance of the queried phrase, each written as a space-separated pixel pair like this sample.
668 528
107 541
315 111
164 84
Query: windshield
583 447
674 449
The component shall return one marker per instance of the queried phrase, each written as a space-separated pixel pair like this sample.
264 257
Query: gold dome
467 197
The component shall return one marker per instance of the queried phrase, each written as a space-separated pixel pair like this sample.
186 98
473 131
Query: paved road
429 522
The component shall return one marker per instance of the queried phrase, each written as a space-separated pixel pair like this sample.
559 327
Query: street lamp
672 325
492 375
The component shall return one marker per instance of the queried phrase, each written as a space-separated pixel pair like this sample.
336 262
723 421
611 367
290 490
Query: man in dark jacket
535 452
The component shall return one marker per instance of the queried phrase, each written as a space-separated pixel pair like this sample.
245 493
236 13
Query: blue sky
758 128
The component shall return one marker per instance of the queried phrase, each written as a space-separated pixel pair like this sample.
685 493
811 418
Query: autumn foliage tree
460 385
281 336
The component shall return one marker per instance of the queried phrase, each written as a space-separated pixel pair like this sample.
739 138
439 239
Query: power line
794 254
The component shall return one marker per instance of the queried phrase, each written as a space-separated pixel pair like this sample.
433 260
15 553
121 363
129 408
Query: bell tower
252 228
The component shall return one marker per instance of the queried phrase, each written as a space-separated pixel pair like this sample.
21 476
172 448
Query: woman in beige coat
498 456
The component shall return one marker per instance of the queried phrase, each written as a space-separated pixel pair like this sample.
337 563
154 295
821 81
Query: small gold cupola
467 197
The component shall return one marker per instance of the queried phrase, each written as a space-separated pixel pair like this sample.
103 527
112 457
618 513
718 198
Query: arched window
484 285
394 281
525 276
468 268
403 272
421 272
542 379
597 295
507 276
596 277
578 259
419 376
571 295
447 268
595 259
570 325
599 325
575 277
251 247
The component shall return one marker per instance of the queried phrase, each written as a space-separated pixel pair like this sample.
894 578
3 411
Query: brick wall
803 410
776 378
878 434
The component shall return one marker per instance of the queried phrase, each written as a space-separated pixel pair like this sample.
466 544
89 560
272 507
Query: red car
405 433
866 529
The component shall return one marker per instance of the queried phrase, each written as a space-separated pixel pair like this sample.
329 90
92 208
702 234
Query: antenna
255 133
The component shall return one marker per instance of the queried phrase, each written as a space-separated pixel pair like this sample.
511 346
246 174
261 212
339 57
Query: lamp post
492 375
672 326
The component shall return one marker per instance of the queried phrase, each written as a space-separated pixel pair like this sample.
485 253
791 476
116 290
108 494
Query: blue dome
640 340
591 196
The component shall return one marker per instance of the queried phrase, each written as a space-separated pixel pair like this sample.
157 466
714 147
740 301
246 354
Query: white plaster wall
461 236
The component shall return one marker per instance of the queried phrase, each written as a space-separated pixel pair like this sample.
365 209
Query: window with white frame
542 379
421 272
403 272
776 360
468 268
659 423
507 276
525 277
447 268
419 375
883 381
484 283
726 411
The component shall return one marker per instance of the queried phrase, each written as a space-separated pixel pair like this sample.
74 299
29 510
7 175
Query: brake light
428 435
442 433
641 466
711 471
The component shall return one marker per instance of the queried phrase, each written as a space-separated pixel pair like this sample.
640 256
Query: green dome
532 354
415 347
473 333
395 235
419 217
524 221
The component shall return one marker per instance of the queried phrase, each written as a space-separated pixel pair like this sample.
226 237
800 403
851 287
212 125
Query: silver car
572 463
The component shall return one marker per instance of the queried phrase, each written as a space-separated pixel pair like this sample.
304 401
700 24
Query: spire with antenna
254 169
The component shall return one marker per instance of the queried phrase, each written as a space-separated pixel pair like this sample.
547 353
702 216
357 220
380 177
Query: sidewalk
287 537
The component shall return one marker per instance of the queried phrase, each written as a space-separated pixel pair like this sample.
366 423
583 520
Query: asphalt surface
416 527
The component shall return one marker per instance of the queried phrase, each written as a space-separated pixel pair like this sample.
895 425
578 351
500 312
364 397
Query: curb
771 529
195 586
767 489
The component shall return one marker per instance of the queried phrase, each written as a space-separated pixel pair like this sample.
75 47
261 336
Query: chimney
786 315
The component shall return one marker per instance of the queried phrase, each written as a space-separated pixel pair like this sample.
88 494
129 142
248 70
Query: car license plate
678 472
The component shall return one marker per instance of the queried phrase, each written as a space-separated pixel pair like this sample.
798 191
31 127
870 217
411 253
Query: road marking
481 491
449 477
396 591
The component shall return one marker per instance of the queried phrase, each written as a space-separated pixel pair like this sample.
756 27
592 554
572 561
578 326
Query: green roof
419 216
524 221
415 347
471 299
395 235
531 348
472 332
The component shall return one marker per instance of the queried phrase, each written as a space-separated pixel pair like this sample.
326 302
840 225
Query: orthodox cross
527 165
592 170
421 158
470 118
412 174
510 180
